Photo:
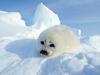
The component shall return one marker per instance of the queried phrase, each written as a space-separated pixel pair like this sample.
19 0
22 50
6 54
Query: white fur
64 39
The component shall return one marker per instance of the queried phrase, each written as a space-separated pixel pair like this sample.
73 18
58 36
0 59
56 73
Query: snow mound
43 19
11 18
95 42
44 16
11 24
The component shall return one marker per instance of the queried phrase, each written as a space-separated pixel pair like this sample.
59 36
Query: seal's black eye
52 45
42 42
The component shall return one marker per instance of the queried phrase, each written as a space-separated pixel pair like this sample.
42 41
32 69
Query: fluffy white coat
63 38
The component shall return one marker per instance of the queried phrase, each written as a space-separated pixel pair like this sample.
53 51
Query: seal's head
46 45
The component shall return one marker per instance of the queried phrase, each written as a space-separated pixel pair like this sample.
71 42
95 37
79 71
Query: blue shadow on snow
24 48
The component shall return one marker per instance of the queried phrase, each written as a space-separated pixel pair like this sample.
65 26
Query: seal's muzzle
43 52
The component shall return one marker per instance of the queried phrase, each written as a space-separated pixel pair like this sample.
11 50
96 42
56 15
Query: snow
19 56
43 19
95 42
11 18
2 12
11 24
45 16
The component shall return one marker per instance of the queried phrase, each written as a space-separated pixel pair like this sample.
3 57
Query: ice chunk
44 18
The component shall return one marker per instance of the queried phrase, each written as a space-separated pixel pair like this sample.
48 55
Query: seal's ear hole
42 42
52 45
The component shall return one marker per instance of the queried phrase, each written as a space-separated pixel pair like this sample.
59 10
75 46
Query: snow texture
19 56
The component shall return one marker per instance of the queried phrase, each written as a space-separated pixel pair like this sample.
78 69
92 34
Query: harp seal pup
57 40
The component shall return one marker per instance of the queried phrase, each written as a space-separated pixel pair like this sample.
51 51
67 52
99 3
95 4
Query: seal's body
58 39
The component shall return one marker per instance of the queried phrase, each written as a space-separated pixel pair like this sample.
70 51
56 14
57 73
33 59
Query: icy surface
19 56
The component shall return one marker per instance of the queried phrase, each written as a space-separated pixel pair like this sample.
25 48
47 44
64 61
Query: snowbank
95 42
11 18
11 24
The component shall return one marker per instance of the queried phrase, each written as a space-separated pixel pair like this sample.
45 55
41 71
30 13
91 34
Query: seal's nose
43 52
